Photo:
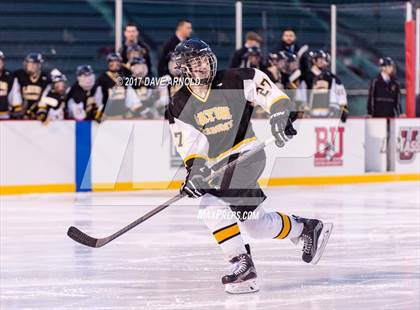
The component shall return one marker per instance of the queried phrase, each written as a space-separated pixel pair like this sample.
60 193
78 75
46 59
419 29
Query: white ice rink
172 262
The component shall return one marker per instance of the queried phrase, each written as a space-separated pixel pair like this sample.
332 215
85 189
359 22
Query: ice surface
172 262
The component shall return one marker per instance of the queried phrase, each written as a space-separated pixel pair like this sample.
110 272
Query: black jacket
292 48
237 57
384 98
165 55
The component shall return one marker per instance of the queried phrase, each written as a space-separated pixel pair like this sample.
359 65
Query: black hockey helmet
84 70
192 50
34 57
113 57
137 61
386 61
2 55
315 54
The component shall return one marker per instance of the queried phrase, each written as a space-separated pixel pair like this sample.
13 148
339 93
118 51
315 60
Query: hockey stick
82 238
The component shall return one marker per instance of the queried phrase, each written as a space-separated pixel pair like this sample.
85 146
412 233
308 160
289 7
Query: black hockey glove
194 185
281 120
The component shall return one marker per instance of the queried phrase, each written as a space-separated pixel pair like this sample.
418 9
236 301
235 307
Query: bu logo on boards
329 146
408 144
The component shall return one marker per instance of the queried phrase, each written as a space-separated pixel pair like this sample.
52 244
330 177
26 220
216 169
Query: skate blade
325 234
249 286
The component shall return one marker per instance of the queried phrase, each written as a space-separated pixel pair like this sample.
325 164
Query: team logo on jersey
329 146
408 144
204 119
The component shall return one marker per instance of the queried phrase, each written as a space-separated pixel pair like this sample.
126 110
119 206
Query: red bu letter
321 141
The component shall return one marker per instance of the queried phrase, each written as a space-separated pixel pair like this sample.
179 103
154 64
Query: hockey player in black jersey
320 91
110 92
52 106
81 104
6 86
141 96
210 123
31 84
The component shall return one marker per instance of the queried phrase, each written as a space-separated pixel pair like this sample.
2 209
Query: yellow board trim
176 184
337 180
226 233
286 227
130 186
34 189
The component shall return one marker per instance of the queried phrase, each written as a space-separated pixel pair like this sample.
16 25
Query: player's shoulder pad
177 104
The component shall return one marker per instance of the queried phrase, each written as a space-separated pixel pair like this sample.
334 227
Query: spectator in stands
6 85
81 104
132 37
31 84
239 58
384 92
289 44
288 41
182 32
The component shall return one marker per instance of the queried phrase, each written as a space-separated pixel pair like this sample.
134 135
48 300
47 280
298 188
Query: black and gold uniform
320 91
6 95
110 94
222 119
210 124
30 89
52 107
217 127
81 104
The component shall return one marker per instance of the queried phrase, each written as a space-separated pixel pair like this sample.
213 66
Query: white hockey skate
243 278
315 236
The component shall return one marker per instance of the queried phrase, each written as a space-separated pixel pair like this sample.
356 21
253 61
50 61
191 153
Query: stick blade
82 238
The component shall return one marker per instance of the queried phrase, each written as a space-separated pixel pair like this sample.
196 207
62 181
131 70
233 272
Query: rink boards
123 155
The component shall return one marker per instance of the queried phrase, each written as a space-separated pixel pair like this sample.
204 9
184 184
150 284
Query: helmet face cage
186 62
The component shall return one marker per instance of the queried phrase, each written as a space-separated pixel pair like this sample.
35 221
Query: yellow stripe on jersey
195 156
286 226
202 99
226 233
278 99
